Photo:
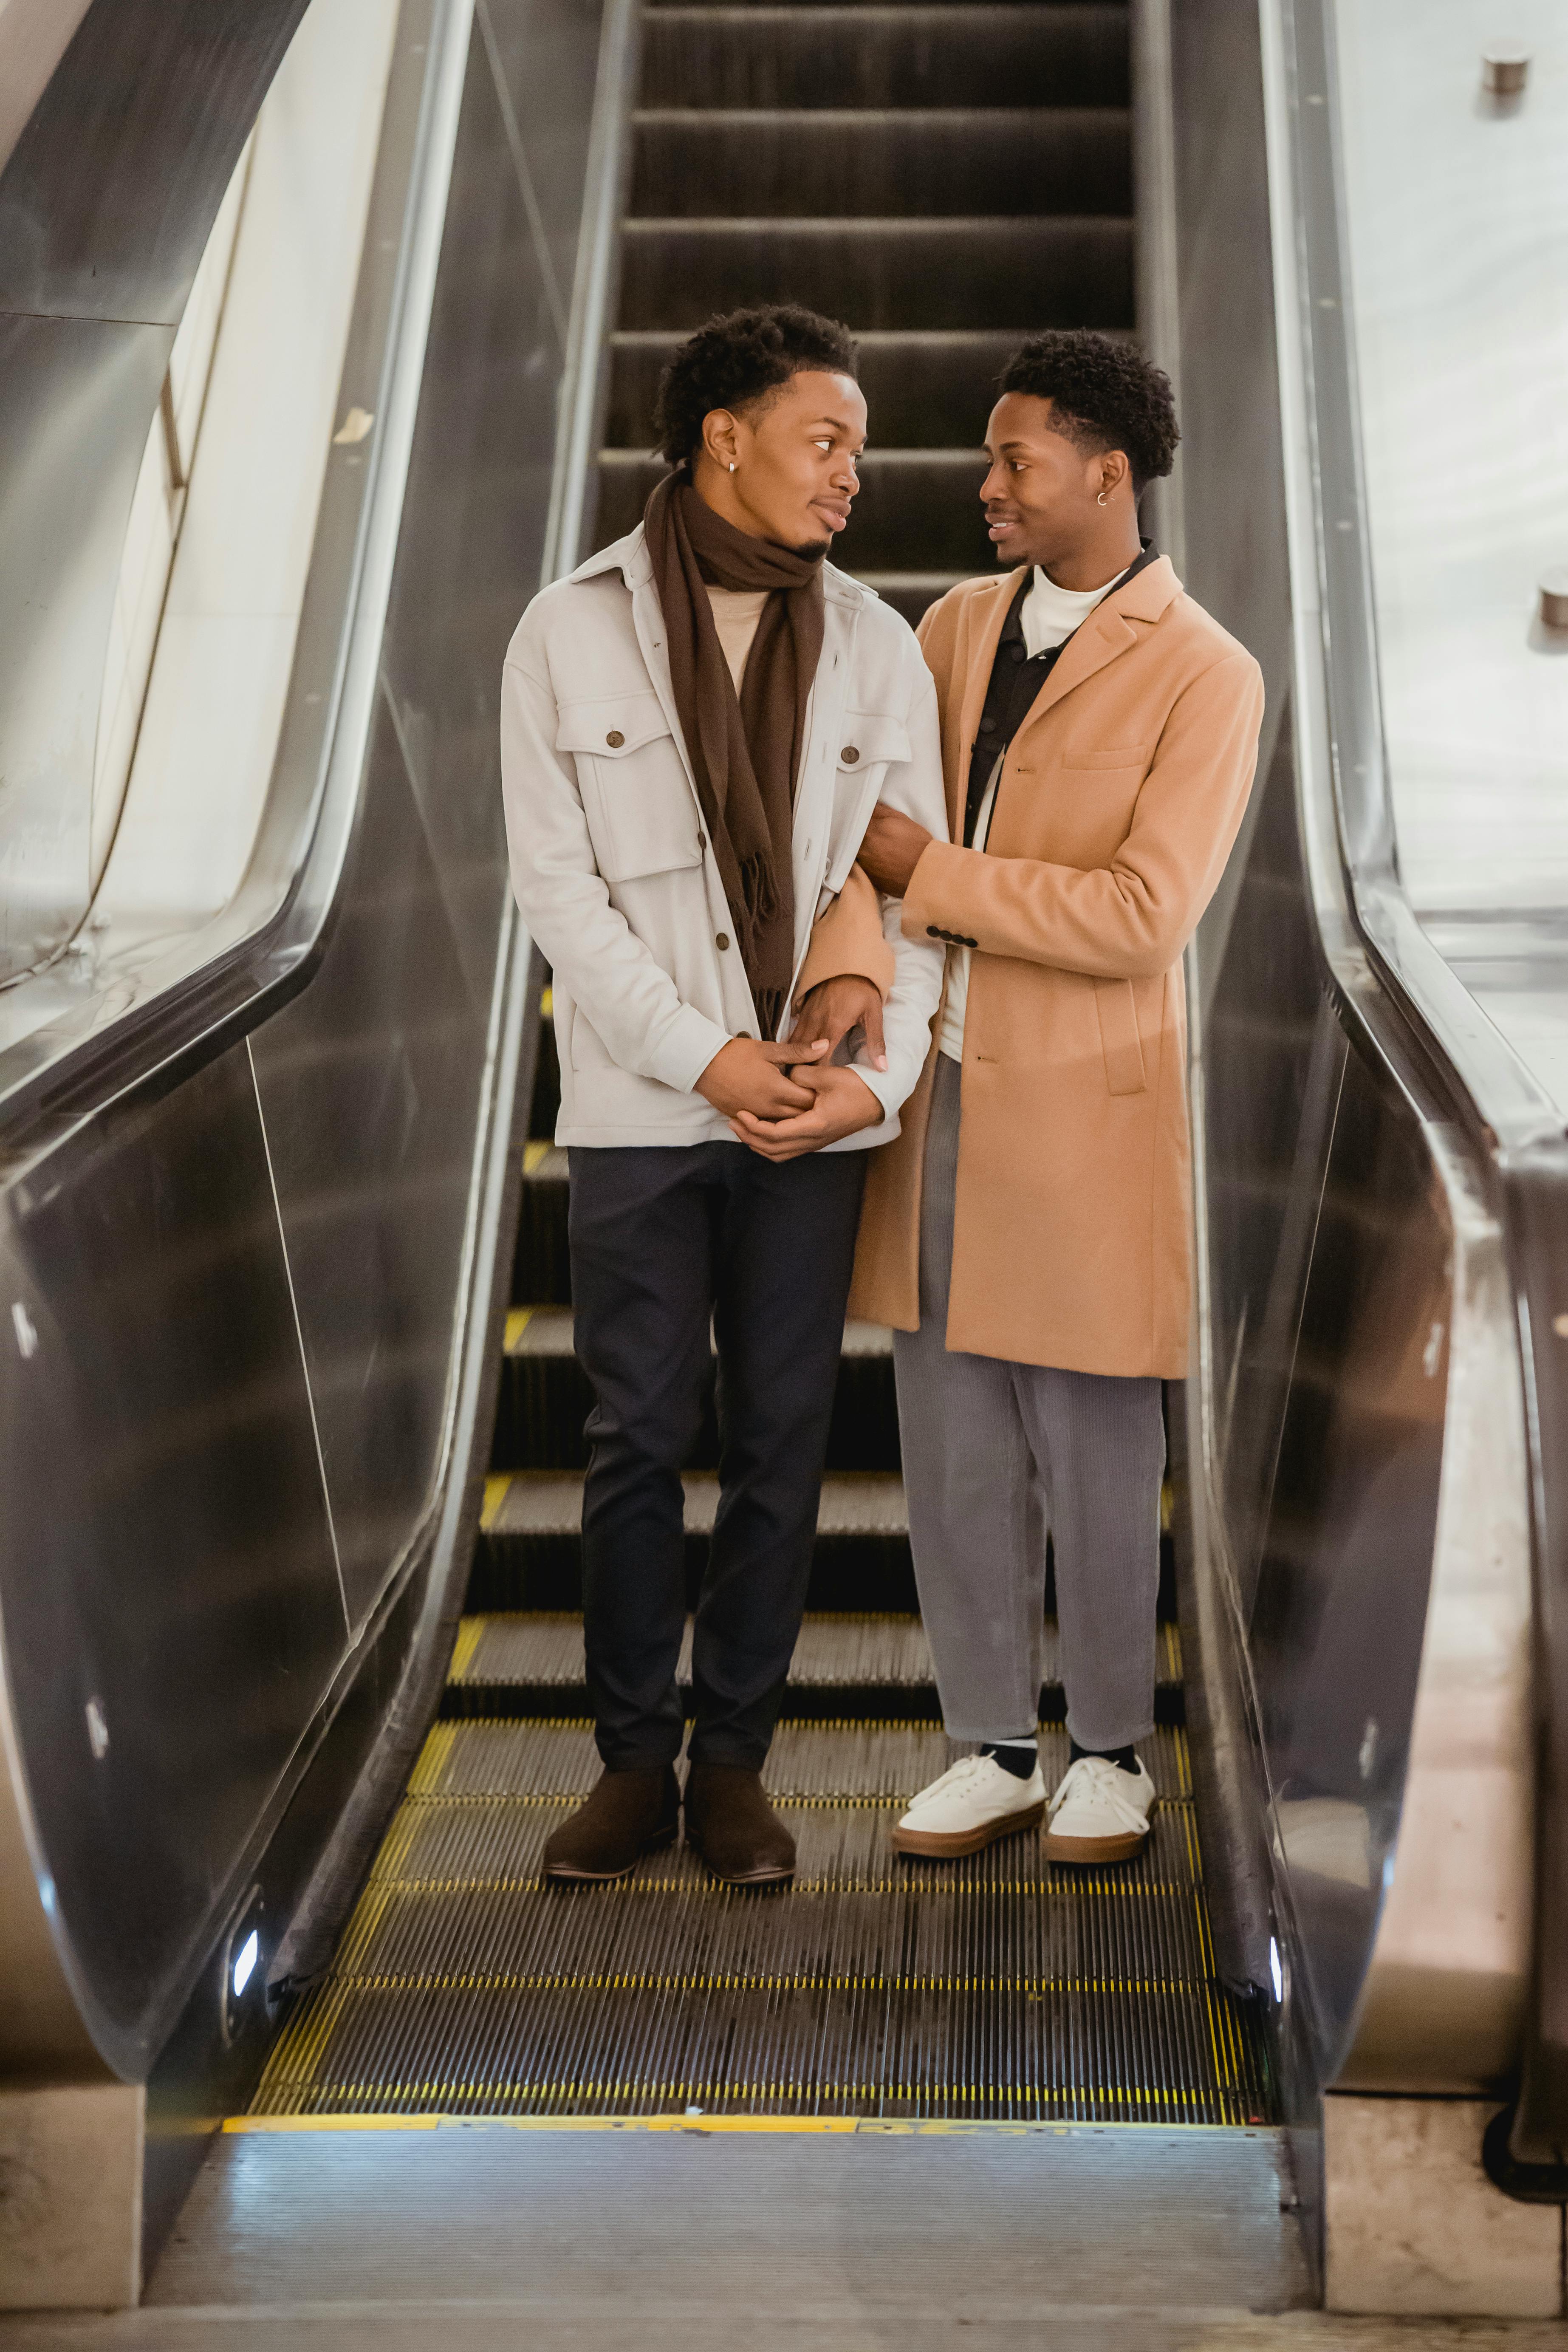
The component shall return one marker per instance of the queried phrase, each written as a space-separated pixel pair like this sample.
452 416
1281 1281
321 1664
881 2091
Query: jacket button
615 739
722 940
849 755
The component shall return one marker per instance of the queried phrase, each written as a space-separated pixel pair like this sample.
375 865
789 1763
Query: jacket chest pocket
868 745
642 815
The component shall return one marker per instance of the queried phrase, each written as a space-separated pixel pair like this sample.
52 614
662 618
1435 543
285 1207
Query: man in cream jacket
696 727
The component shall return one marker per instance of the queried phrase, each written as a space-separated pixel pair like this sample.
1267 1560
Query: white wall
262 422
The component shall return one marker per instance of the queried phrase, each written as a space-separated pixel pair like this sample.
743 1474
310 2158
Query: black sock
1018 1757
1124 1759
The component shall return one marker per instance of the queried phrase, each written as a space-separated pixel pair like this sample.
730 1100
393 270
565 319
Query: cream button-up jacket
616 880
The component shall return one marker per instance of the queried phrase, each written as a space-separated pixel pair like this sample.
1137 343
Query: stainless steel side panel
243 1261
168 1591
1357 1411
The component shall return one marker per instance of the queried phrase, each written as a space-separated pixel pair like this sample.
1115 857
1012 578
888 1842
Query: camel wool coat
1117 806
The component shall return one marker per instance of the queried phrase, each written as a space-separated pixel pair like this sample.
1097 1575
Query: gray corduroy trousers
994 1452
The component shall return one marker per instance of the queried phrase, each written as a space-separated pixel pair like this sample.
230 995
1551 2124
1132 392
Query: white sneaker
976 1802
1100 1813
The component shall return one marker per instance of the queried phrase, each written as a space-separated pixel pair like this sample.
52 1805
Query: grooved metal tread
881 1652
549 1503
546 1332
999 1986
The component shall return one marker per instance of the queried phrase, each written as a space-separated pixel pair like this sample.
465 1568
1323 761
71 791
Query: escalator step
542 1263
990 56
846 1667
1056 272
928 160
998 1987
529 1555
530 1550
545 1398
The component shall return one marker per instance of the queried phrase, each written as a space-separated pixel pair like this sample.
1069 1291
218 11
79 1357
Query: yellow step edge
470 1634
495 1496
800 2127
547 1004
533 1153
516 1322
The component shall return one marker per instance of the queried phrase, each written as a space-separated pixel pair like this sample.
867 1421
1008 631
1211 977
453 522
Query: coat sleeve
914 787
626 992
847 939
1131 918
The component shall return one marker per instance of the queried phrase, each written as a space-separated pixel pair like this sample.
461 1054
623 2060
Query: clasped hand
785 1101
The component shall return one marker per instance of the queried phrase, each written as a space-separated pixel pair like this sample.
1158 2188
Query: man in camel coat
1027 1235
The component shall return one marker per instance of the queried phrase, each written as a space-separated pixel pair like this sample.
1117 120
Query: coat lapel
1106 632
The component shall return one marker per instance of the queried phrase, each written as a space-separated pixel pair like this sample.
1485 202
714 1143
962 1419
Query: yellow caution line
547 1004
797 2126
495 1496
470 1634
516 1322
533 1153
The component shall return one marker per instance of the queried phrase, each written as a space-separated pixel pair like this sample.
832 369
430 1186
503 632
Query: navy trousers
670 1244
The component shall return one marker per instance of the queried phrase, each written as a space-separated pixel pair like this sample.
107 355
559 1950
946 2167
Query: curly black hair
735 360
1107 397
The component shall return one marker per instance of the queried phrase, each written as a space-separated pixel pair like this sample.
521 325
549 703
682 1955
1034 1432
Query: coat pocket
1118 1039
871 744
642 813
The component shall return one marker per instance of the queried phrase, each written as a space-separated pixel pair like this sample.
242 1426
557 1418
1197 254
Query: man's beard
812 551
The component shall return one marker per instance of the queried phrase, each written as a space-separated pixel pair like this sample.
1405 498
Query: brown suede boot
627 1815
731 1825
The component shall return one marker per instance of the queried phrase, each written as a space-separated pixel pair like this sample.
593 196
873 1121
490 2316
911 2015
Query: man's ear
719 439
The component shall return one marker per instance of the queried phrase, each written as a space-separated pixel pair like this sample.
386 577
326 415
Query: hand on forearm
834 1007
842 1104
892 848
746 1075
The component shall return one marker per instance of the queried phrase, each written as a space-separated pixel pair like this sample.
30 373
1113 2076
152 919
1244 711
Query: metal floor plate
999 1986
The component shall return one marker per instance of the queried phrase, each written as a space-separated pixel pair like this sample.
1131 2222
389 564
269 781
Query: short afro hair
1107 395
736 360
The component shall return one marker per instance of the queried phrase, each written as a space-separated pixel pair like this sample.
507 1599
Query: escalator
305 1216
1002 1987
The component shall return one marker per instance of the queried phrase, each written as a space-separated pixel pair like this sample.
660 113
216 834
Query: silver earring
1101 501
732 468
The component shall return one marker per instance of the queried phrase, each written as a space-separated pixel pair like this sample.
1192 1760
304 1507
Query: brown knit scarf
746 752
